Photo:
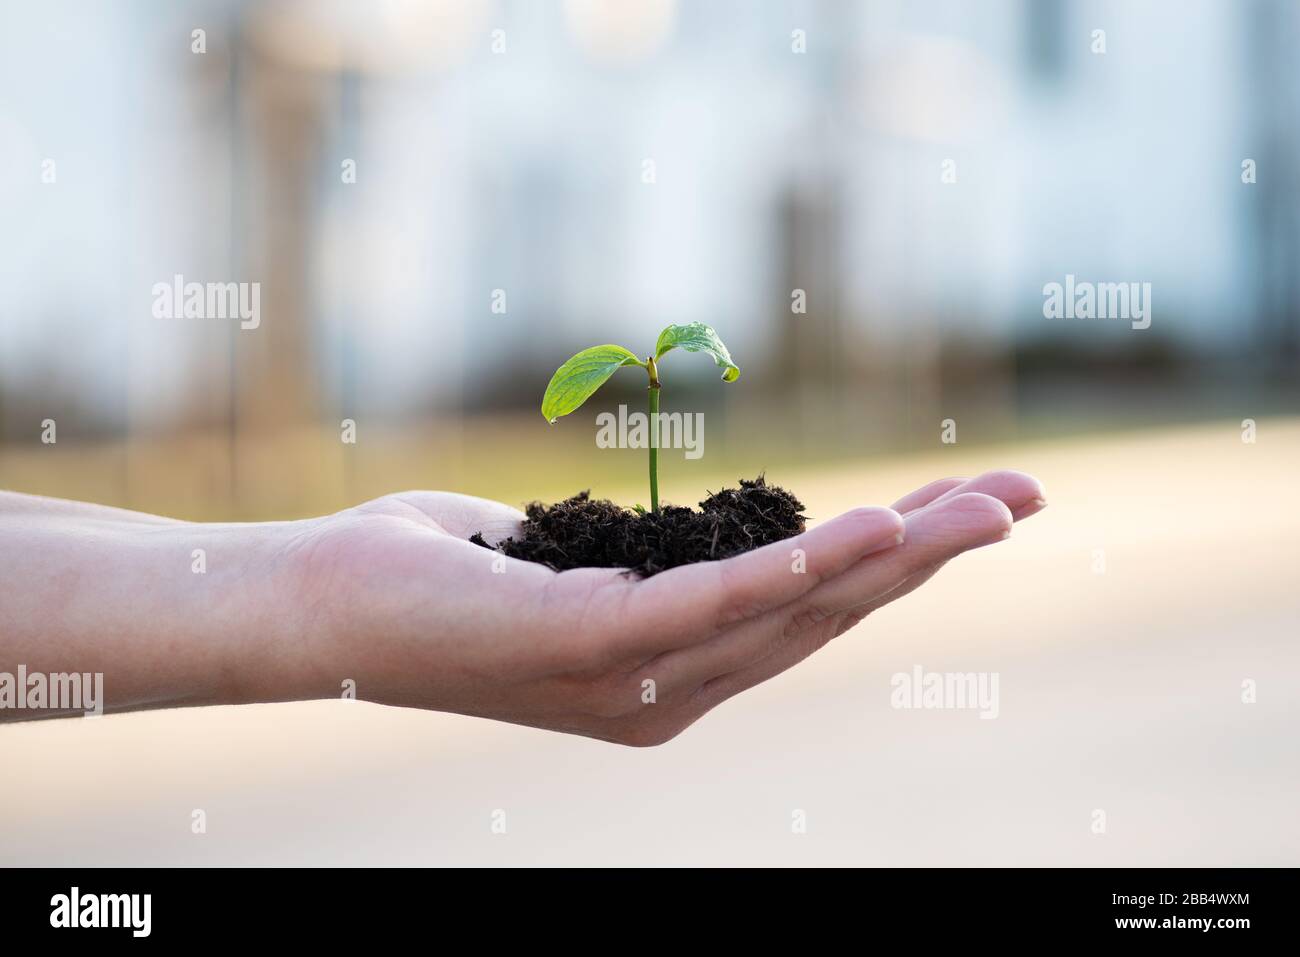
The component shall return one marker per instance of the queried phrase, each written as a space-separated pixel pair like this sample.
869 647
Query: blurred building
919 171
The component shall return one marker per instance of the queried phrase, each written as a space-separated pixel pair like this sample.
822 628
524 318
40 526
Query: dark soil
581 533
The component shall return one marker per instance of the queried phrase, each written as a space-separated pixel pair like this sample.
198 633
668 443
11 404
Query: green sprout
576 380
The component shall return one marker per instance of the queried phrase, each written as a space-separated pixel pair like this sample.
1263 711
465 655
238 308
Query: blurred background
443 199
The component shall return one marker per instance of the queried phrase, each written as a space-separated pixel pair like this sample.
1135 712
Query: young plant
576 380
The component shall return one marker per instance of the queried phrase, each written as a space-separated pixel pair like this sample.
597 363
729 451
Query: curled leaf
697 337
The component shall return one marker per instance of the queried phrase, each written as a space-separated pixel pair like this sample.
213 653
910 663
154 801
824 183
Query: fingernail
1001 535
1031 507
885 544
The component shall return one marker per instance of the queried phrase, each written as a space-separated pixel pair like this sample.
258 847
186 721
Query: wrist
267 618
210 613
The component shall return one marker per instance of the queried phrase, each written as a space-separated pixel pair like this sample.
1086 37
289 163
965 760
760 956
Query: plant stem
654 433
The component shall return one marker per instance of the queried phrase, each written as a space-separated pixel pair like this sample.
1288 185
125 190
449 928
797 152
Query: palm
454 627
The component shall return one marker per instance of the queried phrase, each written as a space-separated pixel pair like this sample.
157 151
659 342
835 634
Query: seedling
576 380
582 532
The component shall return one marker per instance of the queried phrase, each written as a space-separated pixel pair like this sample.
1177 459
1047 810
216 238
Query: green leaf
575 381
697 337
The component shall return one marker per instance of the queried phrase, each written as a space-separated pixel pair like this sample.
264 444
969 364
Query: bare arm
391 599
170 612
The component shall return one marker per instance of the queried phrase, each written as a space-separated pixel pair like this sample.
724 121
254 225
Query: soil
584 533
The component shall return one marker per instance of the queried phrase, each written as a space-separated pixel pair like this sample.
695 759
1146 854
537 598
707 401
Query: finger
926 494
686 605
908 586
969 520
934 535
1011 485
1023 494
717 690
1008 482
462 515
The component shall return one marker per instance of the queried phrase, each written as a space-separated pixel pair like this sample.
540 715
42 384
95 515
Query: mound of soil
582 533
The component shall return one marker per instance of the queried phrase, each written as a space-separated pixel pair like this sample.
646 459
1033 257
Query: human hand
400 602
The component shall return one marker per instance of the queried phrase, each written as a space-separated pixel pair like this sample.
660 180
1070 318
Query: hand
418 616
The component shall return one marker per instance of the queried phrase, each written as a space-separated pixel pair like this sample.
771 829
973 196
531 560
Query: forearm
169 612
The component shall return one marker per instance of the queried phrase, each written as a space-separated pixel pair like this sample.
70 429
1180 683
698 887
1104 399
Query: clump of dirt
584 533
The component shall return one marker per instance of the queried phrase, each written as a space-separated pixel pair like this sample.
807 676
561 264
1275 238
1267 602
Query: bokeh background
607 168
